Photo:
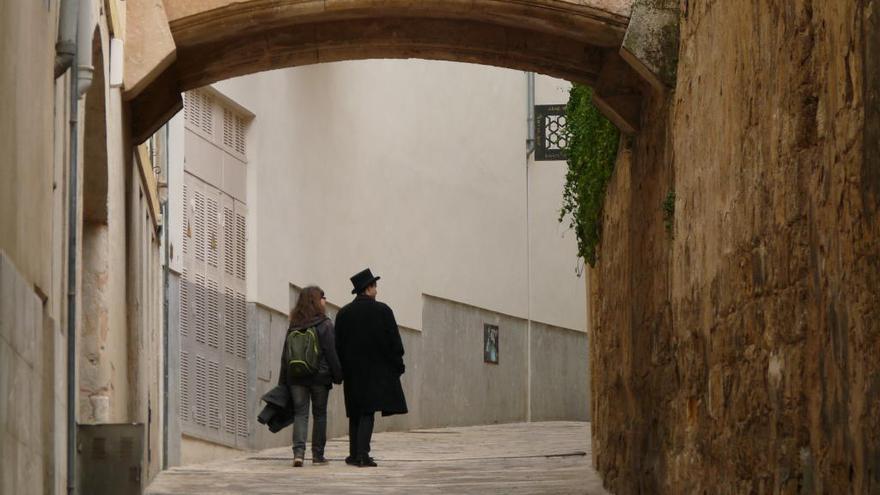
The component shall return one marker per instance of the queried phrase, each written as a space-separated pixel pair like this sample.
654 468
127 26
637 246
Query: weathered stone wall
746 361
631 355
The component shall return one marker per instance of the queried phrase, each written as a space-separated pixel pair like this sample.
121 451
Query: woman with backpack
309 368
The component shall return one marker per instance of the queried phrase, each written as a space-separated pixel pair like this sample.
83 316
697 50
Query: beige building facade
81 268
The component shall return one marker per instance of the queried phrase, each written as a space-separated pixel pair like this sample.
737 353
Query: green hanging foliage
592 151
669 213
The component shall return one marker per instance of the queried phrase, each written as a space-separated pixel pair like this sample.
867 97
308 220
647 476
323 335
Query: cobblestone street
540 458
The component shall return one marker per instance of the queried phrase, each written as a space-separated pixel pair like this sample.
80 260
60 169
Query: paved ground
521 458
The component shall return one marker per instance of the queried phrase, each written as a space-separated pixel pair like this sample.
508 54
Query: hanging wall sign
551 137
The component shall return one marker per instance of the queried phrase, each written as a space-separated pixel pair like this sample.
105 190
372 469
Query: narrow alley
625 246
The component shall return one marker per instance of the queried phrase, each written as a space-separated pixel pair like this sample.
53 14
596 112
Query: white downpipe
530 109
530 147
85 31
80 82
65 48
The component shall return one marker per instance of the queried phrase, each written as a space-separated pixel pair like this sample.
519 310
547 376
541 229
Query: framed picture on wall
490 343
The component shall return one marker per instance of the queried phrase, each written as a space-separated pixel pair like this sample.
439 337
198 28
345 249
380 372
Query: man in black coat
369 347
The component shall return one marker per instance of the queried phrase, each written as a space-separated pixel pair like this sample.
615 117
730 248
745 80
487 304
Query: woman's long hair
308 306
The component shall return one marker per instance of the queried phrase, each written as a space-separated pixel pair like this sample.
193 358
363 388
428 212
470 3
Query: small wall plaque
490 343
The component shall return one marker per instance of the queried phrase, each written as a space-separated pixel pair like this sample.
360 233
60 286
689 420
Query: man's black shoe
366 462
319 460
350 461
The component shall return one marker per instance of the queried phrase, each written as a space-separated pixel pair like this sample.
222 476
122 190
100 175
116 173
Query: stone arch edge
338 30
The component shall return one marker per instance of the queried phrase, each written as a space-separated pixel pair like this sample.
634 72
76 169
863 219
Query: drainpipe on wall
65 48
530 108
166 420
85 31
530 148
81 60
72 201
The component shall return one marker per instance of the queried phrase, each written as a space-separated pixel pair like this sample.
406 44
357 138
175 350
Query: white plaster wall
416 169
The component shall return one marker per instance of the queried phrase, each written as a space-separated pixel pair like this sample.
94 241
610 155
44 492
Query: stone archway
612 45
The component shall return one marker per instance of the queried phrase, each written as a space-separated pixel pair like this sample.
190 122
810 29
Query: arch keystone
150 47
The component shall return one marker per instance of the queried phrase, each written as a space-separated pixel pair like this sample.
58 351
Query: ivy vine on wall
592 151
669 213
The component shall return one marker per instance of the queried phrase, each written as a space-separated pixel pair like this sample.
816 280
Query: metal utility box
109 459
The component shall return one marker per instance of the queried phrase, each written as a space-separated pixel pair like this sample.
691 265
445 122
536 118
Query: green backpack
303 352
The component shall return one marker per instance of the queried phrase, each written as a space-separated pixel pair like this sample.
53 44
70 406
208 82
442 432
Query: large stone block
20 312
21 414
32 473
21 445
31 334
6 373
149 46
10 450
651 42
7 298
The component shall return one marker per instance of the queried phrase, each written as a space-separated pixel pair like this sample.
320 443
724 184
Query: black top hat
362 280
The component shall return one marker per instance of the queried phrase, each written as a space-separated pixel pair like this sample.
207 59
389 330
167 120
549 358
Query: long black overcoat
369 347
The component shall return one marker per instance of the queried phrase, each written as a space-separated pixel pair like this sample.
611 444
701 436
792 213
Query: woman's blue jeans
302 395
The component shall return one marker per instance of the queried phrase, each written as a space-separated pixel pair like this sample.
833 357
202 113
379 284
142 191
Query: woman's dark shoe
319 460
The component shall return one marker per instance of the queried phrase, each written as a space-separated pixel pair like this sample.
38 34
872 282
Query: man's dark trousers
360 431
